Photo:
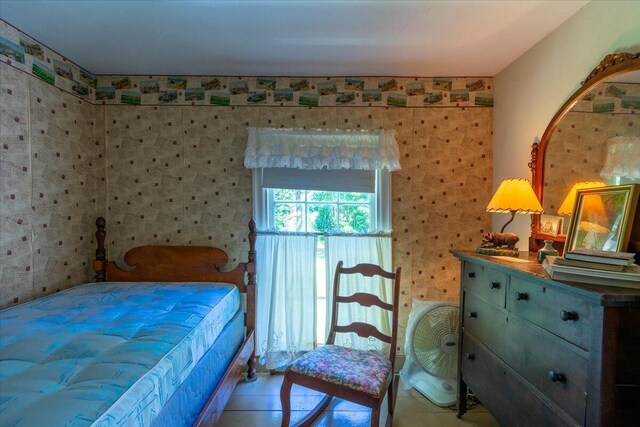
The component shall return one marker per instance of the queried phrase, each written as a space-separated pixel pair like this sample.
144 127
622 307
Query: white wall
530 90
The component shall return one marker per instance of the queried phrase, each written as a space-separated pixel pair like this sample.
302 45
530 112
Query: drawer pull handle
557 377
522 296
495 285
473 315
471 356
471 275
568 315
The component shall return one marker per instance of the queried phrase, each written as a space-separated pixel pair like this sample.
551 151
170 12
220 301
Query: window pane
281 194
322 196
355 218
322 218
354 197
289 216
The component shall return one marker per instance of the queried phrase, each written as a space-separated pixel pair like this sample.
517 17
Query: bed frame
192 264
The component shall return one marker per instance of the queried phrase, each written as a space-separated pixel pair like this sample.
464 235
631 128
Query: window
322 202
318 194
321 211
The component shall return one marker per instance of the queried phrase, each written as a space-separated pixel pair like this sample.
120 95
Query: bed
162 343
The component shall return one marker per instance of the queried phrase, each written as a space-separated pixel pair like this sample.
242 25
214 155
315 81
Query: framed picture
603 218
551 225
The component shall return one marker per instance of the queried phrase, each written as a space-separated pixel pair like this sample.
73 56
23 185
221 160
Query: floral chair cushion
360 370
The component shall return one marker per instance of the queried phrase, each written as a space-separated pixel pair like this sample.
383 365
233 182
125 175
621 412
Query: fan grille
435 341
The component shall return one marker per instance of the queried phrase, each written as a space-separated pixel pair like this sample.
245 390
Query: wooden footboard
192 264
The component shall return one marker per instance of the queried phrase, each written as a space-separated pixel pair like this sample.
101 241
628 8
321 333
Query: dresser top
527 267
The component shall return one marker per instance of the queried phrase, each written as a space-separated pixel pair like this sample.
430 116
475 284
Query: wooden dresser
537 352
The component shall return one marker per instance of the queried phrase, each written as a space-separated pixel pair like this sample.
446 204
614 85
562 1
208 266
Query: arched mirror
593 140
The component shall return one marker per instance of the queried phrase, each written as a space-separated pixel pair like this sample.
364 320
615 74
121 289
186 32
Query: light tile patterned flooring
258 404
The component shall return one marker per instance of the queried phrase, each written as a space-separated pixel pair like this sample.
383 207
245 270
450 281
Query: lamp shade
594 216
515 195
592 227
567 205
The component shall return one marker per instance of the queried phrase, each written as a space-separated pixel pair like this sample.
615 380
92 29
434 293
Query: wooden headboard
174 263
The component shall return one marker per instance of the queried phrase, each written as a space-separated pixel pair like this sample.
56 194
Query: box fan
431 350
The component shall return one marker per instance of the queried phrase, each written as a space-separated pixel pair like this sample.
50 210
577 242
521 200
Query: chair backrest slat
364 330
366 300
367 270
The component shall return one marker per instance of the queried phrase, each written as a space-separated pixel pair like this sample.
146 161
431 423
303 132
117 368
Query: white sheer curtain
354 250
286 297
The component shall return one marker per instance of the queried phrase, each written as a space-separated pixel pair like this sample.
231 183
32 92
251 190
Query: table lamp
567 205
514 196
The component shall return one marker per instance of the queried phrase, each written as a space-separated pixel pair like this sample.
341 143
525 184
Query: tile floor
258 404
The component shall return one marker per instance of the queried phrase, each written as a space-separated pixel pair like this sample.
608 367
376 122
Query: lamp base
500 244
499 252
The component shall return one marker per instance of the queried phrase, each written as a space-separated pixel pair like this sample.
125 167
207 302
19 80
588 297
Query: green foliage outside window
288 195
325 221
321 196
354 218
326 211
354 197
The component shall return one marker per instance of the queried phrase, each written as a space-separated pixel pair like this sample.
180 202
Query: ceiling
345 38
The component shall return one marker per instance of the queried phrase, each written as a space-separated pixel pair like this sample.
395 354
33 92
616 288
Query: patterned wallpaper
50 186
577 149
16 265
32 57
173 173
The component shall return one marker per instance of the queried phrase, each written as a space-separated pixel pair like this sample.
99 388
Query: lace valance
321 148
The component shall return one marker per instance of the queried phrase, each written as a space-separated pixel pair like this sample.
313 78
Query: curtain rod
299 233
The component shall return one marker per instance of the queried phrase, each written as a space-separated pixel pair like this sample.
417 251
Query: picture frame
551 225
605 219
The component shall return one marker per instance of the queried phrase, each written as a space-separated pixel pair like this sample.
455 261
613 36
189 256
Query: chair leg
375 416
390 395
285 401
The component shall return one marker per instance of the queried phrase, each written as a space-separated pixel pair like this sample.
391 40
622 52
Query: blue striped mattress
106 354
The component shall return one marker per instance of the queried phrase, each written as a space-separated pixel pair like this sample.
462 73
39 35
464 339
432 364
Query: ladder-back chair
359 376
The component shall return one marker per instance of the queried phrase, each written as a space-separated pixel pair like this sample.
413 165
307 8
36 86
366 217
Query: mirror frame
611 65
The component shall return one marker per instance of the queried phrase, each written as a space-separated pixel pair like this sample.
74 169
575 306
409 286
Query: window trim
336 204
380 208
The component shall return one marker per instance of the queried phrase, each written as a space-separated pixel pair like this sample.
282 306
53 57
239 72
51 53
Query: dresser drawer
531 351
484 321
565 315
486 282
508 398
556 368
